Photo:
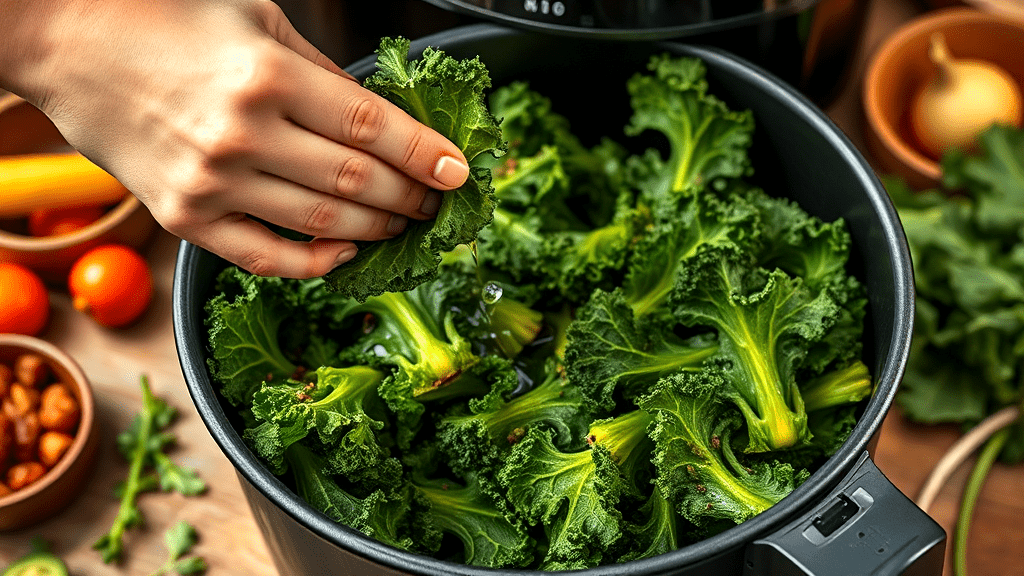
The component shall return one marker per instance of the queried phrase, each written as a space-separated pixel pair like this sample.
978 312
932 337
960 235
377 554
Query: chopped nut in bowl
48 430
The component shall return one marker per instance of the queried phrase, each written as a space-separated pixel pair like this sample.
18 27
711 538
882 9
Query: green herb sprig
144 444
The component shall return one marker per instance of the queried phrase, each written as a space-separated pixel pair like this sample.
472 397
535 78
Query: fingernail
397 224
431 203
345 255
450 171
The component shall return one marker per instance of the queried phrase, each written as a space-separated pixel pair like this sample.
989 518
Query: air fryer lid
627 19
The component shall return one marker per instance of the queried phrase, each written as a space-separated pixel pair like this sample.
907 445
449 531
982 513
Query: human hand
216 113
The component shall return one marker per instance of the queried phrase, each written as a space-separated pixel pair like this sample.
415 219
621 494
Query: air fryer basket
846 518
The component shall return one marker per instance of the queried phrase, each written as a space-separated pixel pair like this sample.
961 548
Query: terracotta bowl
901 64
1008 7
24 129
61 483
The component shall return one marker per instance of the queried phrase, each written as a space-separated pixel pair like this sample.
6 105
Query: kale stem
972 490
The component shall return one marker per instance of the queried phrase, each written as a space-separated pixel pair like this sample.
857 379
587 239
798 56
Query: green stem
972 490
127 512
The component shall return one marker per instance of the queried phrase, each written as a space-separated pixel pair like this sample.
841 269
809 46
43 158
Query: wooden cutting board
114 361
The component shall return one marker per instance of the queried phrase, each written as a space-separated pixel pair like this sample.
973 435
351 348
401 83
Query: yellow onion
962 99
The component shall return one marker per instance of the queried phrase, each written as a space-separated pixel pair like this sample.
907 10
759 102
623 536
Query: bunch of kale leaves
966 239
635 351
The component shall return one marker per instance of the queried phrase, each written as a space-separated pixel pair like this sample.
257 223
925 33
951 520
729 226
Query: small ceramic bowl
901 64
61 483
24 129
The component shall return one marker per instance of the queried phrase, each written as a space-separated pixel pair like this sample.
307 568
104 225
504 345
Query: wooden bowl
62 483
901 64
24 129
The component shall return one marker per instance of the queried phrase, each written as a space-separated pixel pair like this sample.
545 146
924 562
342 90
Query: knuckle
258 261
221 134
363 119
175 220
224 144
353 177
413 148
195 187
318 262
379 225
320 216
409 196
412 192
252 76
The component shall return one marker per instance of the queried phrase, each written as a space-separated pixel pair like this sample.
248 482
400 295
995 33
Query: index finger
344 111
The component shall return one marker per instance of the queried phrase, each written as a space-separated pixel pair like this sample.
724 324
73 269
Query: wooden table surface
229 540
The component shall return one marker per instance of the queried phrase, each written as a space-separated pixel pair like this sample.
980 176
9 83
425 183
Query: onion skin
962 99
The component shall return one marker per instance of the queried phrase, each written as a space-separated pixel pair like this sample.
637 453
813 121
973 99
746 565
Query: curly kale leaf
676 236
537 184
379 516
707 140
336 407
535 238
565 265
817 252
243 332
656 532
697 469
575 494
448 96
414 333
265 328
564 220
765 322
580 262
489 536
801 244
530 125
480 442
528 120
610 355
994 177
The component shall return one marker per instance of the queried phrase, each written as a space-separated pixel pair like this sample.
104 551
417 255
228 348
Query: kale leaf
448 96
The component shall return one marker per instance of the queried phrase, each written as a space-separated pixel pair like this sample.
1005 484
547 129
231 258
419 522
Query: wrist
31 43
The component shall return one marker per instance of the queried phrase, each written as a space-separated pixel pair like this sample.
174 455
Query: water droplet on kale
491 292
380 350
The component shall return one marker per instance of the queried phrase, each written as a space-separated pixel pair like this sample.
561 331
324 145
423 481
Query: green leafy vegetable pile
637 351
967 245
966 238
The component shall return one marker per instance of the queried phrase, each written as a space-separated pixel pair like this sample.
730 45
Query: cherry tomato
112 284
24 300
57 221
